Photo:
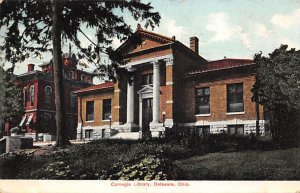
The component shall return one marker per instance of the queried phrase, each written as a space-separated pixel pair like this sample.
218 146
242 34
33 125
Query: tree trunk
257 118
61 134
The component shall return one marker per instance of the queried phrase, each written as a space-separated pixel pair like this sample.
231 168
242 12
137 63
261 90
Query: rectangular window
89 133
90 111
106 109
203 100
202 131
72 75
147 79
235 102
235 129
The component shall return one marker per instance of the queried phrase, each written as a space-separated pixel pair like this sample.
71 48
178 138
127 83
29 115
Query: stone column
130 102
156 93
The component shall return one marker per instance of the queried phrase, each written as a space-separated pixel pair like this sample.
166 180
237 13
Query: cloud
173 28
218 23
169 27
287 21
261 30
224 30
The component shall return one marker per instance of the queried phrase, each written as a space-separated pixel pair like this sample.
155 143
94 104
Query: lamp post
164 118
109 122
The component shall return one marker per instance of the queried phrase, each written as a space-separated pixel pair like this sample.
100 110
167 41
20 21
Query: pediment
143 40
146 89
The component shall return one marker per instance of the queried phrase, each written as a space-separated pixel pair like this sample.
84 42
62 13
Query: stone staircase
126 135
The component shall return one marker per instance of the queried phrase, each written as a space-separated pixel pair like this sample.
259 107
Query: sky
225 28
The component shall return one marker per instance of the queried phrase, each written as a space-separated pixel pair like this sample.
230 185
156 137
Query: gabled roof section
98 87
143 40
222 64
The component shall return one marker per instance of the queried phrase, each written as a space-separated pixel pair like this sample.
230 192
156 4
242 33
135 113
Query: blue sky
231 28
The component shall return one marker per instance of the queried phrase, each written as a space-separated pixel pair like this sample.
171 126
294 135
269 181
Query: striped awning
22 121
29 119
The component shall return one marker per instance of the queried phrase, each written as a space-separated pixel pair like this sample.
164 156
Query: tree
34 26
10 96
277 88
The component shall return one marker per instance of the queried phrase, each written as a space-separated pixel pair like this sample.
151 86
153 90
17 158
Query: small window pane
203 101
235 101
106 109
235 129
90 111
147 79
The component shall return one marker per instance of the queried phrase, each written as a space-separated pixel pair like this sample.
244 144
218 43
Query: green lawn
157 159
245 165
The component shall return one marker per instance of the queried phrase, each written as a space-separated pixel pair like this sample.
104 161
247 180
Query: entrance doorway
146 114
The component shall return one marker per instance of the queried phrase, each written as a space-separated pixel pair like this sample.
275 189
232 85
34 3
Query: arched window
48 91
31 91
24 96
72 74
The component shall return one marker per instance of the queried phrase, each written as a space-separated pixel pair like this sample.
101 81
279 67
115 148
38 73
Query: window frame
205 97
148 80
236 91
104 118
48 96
24 96
236 129
31 95
87 113
72 74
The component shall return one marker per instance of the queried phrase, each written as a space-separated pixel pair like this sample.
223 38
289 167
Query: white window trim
236 113
203 115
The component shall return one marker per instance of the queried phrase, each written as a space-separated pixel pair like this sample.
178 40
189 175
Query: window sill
236 113
92 121
203 115
105 120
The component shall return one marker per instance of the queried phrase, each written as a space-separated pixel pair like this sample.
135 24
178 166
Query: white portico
149 96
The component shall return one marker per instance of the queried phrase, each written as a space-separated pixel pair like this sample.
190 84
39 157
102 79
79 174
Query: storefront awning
29 119
22 121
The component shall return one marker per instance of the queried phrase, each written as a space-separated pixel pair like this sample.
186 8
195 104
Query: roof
222 64
156 36
103 86
140 31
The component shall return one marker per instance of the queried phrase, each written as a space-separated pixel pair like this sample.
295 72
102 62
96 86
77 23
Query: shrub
11 164
151 167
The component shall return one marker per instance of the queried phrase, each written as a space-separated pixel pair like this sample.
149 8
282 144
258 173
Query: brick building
170 86
38 96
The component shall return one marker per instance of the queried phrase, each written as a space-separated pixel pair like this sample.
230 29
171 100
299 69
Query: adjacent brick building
38 96
170 86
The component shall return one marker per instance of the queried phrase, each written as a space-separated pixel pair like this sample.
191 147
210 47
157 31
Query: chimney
30 67
194 44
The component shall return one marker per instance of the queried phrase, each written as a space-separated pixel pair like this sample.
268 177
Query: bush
11 164
151 167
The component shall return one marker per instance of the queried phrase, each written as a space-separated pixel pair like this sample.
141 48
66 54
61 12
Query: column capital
155 63
169 61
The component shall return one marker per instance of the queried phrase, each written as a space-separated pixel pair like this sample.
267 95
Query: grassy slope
247 165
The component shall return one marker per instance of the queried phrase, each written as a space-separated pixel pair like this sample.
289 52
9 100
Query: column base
155 126
129 127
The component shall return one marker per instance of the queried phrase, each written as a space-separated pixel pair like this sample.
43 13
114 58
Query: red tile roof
221 64
97 87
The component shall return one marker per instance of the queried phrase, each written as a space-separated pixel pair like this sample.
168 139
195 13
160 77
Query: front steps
126 135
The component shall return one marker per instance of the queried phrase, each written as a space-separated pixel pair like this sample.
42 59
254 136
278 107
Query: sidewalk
52 143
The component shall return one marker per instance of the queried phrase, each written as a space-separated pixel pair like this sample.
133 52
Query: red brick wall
183 62
98 102
218 99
